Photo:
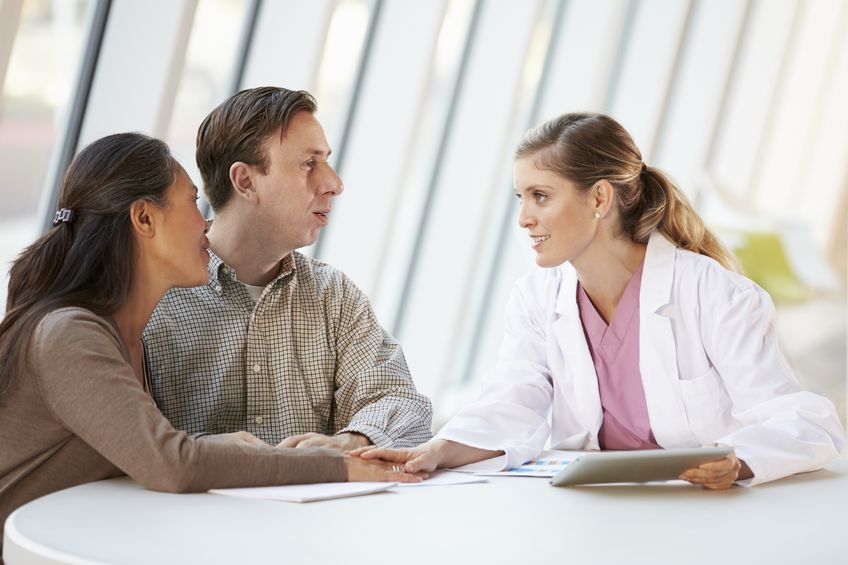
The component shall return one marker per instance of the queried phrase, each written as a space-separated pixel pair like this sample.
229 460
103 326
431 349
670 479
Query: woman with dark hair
636 333
74 405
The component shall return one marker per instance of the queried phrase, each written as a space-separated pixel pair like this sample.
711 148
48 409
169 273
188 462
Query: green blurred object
764 261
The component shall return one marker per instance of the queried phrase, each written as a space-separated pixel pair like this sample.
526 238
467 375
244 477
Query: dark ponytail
88 261
37 266
585 148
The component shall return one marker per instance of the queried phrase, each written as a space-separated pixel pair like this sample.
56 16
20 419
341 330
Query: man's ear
241 177
143 217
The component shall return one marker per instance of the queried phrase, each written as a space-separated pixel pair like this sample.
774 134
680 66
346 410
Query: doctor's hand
342 442
435 454
718 475
424 458
371 471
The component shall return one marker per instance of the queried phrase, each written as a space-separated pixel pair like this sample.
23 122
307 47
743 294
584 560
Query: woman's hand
718 475
361 470
427 457
422 459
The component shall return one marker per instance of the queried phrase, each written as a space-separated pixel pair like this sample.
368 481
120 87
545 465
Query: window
45 54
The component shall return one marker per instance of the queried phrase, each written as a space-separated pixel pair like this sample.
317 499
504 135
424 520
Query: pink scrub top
615 353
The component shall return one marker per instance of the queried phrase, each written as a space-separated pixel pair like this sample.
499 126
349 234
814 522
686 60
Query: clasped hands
358 469
342 442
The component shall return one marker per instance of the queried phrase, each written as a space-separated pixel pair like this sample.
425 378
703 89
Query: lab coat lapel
657 352
568 331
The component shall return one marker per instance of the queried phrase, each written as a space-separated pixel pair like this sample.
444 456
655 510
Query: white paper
546 464
443 478
306 493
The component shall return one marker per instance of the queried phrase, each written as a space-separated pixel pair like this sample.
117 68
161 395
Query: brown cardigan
79 414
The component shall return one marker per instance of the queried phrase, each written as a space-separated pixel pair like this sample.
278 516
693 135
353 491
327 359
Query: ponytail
87 259
663 207
37 266
30 277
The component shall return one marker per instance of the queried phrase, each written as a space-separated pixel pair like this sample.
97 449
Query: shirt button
256 368
259 420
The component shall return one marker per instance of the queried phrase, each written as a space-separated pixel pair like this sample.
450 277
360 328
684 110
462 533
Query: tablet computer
636 466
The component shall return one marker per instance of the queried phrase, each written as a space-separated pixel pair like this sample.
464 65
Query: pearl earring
597 214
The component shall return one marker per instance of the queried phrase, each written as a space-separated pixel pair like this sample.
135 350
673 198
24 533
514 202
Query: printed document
547 464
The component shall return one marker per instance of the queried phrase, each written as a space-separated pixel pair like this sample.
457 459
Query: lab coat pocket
707 406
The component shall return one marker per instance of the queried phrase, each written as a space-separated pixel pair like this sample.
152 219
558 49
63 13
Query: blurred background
743 102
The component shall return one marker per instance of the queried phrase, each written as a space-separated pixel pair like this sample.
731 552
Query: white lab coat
709 359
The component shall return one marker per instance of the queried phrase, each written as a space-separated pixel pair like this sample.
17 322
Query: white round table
798 520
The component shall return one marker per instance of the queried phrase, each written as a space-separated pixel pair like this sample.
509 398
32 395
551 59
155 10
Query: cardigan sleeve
91 389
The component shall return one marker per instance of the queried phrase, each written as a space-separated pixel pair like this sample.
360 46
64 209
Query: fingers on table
418 464
396 473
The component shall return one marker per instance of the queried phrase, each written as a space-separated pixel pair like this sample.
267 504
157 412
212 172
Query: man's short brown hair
237 131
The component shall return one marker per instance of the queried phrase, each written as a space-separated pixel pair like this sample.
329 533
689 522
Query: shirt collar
219 270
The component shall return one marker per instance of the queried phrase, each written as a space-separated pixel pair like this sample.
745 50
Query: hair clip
63 215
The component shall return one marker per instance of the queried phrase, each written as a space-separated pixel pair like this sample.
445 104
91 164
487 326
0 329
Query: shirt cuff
757 469
374 434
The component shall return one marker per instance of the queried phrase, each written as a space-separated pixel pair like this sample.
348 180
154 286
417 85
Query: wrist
439 448
348 466
744 472
354 440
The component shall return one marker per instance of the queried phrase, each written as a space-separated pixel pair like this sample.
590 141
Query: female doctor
636 333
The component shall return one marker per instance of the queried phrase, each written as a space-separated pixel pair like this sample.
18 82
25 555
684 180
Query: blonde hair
585 148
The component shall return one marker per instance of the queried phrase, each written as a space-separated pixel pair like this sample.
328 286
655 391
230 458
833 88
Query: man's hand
343 442
244 438
718 475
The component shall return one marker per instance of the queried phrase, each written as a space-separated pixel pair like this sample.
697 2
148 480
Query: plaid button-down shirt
308 356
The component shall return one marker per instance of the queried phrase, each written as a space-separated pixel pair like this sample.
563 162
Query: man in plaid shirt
276 344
